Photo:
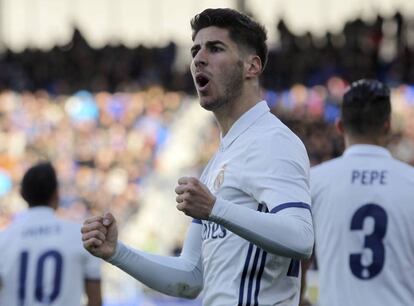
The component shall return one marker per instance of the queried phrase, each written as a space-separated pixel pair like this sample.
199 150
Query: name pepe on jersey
369 177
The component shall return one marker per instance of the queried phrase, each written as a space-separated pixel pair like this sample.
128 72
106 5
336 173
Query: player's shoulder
327 167
277 145
69 225
404 170
3 234
68 228
13 227
273 134
403 165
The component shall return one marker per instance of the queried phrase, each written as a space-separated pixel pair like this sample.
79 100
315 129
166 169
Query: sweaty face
217 68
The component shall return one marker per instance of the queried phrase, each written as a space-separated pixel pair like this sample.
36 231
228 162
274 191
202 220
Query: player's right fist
100 235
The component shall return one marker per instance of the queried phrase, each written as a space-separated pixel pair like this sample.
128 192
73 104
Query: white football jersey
363 209
261 165
43 261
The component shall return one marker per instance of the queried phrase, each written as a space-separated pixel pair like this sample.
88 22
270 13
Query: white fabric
176 276
260 228
56 261
363 205
261 166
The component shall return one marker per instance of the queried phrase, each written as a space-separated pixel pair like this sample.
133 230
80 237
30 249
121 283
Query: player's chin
208 103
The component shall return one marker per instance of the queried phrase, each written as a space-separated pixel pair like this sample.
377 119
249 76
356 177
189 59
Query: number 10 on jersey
48 258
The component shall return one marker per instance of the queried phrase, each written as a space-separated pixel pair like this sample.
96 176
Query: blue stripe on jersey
243 278
289 205
252 275
253 270
294 268
198 221
259 278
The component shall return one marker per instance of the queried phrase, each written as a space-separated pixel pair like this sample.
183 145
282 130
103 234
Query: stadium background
102 88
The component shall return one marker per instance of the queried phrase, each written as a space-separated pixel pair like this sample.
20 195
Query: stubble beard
232 82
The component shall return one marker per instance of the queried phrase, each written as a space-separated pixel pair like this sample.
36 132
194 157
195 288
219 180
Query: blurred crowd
382 48
311 113
103 115
103 146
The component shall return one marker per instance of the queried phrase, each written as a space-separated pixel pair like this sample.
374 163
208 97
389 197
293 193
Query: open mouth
202 81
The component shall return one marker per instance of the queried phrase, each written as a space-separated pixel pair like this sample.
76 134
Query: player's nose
201 58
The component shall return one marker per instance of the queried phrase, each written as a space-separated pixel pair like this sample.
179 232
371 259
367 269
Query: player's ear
339 126
253 66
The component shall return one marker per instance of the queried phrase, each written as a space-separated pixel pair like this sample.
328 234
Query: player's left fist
194 198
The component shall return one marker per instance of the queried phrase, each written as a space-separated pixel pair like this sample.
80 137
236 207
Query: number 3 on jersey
41 294
372 242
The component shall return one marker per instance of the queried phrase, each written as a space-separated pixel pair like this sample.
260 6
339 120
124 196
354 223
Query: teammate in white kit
363 209
251 206
42 258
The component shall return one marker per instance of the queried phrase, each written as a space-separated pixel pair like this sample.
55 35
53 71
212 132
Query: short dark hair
366 106
242 29
39 184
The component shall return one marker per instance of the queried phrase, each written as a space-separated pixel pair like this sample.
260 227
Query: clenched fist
194 198
100 235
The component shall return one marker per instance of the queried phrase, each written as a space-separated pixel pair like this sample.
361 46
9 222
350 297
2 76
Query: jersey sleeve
177 276
276 176
277 172
288 232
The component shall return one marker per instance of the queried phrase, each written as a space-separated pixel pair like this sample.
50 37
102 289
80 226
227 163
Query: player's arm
92 279
93 292
280 183
288 232
177 276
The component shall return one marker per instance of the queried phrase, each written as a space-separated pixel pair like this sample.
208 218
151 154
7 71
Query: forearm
174 276
288 232
177 276
93 292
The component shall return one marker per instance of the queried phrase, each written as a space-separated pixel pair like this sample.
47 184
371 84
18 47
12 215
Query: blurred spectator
382 49
103 154
103 145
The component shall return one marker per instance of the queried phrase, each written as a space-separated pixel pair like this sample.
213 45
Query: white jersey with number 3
43 261
363 208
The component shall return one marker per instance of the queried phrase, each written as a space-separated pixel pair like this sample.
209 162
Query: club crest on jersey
219 179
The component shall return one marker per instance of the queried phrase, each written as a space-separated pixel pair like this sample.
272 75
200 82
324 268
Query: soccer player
42 258
251 206
363 209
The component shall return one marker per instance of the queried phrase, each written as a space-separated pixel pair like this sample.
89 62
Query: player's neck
230 113
360 140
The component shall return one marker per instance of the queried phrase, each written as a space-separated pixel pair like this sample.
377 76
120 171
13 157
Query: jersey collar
365 149
243 123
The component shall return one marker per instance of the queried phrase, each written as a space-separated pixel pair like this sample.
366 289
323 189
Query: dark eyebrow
208 44
215 42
